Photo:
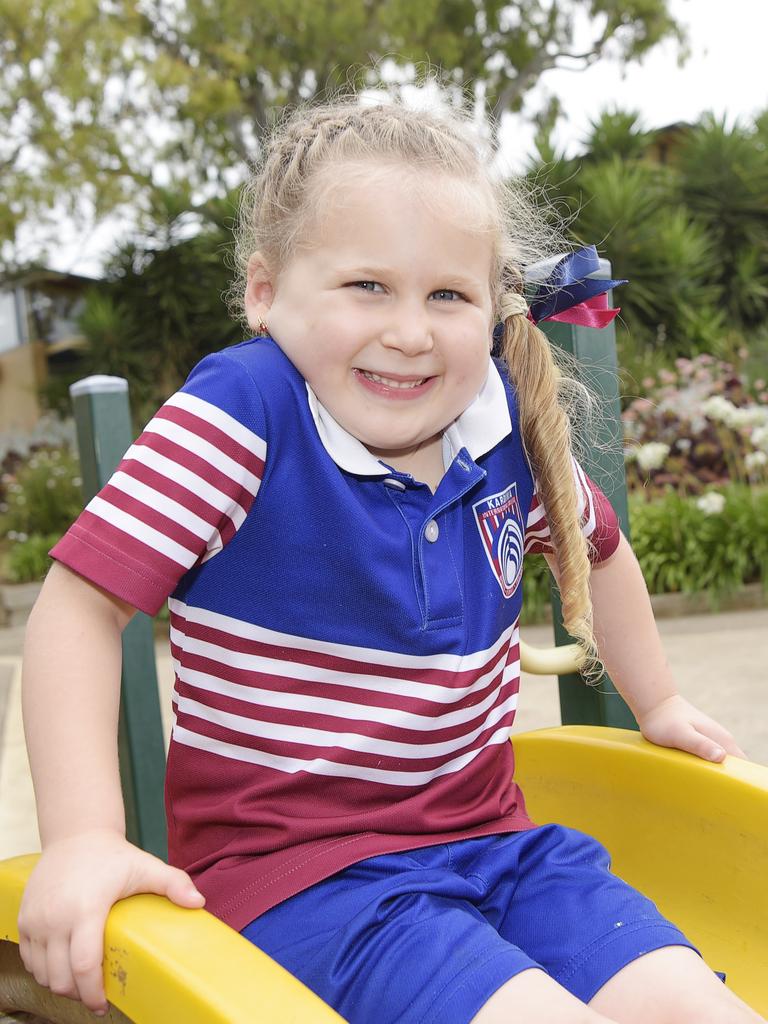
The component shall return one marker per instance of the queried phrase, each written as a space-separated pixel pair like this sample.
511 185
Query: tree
691 234
724 183
161 306
104 101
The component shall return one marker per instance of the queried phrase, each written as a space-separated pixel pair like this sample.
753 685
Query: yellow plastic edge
163 963
690 834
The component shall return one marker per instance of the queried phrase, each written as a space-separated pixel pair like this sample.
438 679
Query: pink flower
649 382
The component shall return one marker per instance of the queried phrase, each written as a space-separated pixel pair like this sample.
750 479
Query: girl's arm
70 700
630 646
70 697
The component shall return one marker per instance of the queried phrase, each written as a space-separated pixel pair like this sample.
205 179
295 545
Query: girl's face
386 311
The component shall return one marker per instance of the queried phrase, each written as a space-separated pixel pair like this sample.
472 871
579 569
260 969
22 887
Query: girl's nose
411 334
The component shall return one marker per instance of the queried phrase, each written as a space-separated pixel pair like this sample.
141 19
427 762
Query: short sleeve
599 522
180 493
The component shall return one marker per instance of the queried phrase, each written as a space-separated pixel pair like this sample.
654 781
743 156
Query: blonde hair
544 396
282 200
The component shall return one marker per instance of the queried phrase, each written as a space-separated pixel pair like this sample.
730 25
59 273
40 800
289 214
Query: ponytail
546 435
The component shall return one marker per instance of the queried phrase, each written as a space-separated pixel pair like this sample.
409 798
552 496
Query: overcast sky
725 73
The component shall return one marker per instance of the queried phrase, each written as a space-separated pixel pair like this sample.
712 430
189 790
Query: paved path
720 661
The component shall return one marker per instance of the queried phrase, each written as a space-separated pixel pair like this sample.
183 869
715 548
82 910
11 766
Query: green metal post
104 433
604 463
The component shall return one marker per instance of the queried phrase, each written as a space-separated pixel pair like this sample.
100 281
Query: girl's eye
368 286
447 295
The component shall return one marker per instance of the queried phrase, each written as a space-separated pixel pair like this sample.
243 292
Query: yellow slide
692 835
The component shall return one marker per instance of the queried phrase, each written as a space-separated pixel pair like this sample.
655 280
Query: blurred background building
39 338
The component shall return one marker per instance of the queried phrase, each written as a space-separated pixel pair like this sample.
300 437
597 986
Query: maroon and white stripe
183 488
333 709
537 535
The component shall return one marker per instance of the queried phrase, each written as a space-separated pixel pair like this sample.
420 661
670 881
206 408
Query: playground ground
719 660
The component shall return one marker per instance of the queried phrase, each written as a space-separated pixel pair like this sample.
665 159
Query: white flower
755 460
719 408
684 444
711 504
652 455
750 416
759 438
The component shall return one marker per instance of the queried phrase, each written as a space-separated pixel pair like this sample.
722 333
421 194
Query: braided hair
314 150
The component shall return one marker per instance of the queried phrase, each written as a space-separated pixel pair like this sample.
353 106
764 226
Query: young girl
338 510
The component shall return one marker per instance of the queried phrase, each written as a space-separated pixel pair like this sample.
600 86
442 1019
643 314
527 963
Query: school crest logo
500 524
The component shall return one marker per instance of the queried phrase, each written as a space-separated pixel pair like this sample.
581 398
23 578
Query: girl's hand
676 723
66 902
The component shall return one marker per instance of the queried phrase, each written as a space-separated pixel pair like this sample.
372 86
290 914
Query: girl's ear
259 290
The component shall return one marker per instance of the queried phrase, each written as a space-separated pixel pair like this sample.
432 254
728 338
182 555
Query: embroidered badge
501 528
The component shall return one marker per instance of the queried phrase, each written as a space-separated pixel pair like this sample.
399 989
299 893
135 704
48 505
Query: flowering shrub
43 494
715 543
28 559
39 497
699 426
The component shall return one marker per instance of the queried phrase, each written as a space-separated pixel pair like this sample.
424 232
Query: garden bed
675 606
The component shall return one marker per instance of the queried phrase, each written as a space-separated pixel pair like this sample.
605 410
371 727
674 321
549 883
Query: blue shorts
429 935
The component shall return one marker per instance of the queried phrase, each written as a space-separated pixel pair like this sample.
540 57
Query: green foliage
616 134
42 496
723 176
28 561
690 233
215 75
537 585
669 259
160 309
684 549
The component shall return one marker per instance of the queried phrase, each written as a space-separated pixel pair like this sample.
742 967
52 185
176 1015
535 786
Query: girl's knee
532 996
672 985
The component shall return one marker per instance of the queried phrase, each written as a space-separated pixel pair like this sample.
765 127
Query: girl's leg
672 985
532 996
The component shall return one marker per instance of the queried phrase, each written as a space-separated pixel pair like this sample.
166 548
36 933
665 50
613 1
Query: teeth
402 385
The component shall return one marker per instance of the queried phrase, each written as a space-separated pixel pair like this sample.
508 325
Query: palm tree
723 180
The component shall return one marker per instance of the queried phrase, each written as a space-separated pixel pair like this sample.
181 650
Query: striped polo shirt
345 641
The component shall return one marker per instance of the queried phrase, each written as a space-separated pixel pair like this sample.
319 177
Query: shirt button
431 531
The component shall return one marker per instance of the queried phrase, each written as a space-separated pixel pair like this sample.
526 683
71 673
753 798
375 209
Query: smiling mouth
396 383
